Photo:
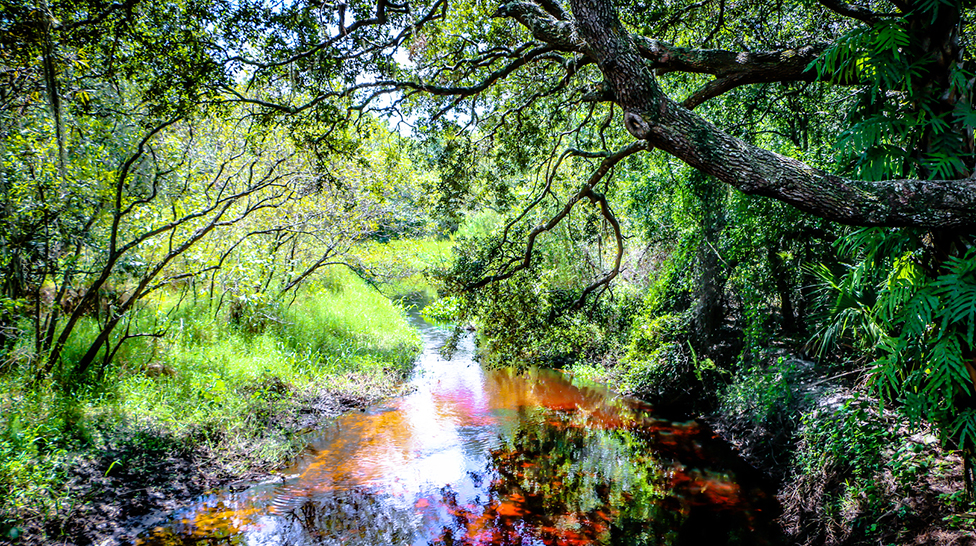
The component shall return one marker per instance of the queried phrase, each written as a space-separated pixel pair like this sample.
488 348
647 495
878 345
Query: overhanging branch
650 115
730 68
585 192
860 13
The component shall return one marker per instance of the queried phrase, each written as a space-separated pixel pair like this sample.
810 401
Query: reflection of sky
427 439
439 435
434 461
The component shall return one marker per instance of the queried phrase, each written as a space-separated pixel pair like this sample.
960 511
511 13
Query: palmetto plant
914 319
848 320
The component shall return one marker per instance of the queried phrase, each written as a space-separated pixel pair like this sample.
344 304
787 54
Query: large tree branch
759 66
650 115
515 265
559 33
730 68
855 12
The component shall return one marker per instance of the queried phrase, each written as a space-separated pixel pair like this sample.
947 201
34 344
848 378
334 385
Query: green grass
236 387
343 337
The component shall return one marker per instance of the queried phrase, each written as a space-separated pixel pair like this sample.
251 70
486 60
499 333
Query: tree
899 74
120 177
576 91
922 37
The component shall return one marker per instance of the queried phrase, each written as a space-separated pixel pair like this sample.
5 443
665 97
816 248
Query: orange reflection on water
480 458
374 448
220 520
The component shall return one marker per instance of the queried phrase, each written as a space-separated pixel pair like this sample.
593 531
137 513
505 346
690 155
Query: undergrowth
235 378
864 476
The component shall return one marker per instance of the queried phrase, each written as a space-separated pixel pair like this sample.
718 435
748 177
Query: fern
947 370
964 427
890 36
921 328
965 114
958 290
839 62
898 128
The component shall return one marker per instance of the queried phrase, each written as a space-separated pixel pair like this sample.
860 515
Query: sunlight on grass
326 335
235 383
407 264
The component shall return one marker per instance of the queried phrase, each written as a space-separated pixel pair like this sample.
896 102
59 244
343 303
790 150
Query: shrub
762 407
861 479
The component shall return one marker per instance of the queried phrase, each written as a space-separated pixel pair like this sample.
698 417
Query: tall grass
341 336
234 378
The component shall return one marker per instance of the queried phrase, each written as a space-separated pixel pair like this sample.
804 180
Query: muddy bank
132 471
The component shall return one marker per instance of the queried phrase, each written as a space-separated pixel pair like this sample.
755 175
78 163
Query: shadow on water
493 457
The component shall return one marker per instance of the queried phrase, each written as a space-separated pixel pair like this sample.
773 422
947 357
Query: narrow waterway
492 457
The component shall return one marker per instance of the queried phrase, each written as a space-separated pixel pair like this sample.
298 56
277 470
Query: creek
480 457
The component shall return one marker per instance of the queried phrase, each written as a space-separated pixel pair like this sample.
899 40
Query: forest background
215 212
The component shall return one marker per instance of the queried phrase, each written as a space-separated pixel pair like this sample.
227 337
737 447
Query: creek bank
223 398
849 473
132 470
844 472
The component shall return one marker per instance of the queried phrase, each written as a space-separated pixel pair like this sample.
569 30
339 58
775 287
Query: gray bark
650 115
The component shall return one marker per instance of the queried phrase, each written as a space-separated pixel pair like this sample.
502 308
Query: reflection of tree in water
571 469
555 481
351 517
560 482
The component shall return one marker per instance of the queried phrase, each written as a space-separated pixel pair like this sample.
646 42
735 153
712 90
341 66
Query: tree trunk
784 289
709 312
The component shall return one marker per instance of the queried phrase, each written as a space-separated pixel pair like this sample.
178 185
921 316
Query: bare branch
585 192
539 53
712 89
860 13
380 18
601 201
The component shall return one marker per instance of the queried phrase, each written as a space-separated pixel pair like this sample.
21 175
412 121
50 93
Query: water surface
492 457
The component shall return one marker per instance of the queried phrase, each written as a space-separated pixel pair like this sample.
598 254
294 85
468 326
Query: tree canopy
902 69
553 115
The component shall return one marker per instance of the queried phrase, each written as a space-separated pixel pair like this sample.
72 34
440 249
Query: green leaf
943 165
948 369
890 36
965 114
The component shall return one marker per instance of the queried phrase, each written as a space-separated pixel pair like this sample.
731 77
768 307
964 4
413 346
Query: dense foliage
223 155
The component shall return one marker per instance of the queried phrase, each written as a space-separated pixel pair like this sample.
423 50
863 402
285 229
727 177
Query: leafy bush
853 438
443 310
857 471
762 406
767 397
661 365
35 441
254 311
914 315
